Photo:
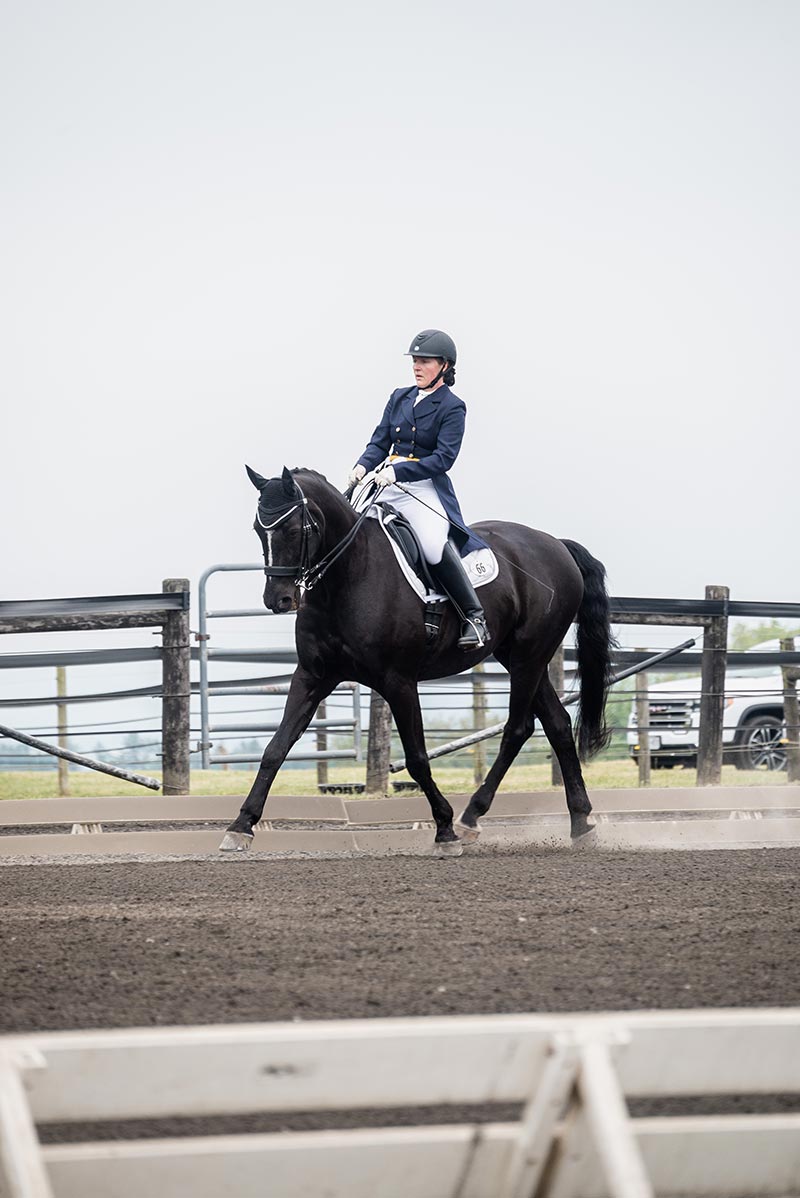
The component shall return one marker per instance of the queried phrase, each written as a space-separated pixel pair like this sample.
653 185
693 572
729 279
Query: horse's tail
595 643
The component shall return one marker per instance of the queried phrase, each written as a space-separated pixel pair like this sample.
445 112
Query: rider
415 444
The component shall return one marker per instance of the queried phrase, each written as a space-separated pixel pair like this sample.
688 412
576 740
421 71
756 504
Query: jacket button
397 430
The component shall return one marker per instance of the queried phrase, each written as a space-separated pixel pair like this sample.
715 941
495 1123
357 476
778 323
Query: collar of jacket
429 401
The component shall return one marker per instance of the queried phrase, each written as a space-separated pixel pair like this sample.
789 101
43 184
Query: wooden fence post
712 686
379 744
643 726
176 694
791 714
479 721
322 746
61 708
555 671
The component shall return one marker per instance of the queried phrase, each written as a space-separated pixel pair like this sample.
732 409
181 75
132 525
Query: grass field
601 774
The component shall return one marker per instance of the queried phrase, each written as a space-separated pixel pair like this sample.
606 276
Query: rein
460 527
316 573
306 575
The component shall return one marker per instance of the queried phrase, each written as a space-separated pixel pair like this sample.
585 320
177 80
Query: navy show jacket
432 432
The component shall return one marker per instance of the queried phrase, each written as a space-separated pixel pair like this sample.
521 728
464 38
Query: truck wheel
759 744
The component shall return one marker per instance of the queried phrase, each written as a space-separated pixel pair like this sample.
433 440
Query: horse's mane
307 470
317 487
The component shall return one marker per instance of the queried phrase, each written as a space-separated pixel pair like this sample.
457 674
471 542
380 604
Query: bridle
305 574
300 571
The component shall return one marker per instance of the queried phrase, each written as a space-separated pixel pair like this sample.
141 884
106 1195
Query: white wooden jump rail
571 1075
691 816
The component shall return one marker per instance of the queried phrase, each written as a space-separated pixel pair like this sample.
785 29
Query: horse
358 621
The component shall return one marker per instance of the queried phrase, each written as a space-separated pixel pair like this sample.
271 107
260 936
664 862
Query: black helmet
433 343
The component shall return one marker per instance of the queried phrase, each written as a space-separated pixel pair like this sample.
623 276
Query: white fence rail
570 1074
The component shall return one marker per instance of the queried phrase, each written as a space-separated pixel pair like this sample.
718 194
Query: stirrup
474 632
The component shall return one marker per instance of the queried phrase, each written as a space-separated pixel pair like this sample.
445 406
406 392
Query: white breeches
432 527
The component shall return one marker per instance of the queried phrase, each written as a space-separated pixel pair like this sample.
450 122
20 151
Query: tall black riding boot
452 577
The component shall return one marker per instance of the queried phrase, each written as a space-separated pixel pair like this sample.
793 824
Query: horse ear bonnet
278 495
256 479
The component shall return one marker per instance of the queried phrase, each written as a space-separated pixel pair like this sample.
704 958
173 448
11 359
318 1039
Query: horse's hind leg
519 726
402 697
558 730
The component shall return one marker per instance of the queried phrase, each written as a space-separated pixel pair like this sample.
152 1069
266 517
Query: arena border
652 819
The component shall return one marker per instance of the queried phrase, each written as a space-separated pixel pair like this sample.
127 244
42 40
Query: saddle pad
481 565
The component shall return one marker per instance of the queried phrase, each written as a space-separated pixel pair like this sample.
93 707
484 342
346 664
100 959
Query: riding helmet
433 343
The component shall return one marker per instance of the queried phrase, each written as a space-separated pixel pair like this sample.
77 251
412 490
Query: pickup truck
753 729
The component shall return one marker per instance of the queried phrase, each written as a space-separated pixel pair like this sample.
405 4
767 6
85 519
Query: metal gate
350 724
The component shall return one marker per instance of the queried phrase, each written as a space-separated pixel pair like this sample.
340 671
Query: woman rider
415 444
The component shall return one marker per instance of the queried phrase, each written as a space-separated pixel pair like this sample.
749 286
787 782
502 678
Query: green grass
600 774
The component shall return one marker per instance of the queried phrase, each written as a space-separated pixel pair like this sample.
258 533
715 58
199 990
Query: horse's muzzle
279 601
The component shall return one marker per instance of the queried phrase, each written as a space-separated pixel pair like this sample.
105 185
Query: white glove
385 477
356 475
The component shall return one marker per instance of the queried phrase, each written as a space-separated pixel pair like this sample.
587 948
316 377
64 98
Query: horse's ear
289 488
258 480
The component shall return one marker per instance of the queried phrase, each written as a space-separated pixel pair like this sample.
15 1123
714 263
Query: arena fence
561 1085
711 614
168 611
321 725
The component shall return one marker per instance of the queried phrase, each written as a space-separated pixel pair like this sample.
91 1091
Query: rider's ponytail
449 376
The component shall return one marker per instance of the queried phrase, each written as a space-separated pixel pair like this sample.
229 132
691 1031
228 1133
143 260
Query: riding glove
385 477
356 475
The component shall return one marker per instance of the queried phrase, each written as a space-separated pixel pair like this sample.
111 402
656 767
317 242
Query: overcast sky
222 224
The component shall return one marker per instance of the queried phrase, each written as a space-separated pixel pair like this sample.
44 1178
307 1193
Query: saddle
403 535
398 529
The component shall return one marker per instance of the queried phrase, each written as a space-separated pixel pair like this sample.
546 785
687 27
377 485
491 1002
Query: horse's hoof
236 842
448 848
582 833
466 833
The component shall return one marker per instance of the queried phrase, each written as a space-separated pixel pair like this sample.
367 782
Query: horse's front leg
403 699
305 695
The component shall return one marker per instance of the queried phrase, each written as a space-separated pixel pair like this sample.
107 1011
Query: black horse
358 621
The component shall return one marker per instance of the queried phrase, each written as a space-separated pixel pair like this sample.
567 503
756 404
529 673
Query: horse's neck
338 515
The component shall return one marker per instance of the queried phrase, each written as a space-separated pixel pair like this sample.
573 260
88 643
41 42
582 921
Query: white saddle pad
481 565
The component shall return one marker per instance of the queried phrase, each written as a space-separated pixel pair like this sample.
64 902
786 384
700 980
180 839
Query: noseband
298 572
